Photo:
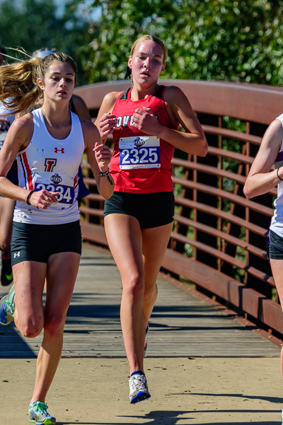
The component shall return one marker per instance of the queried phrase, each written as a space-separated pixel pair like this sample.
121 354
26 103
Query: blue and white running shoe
38 414
7 307
138 388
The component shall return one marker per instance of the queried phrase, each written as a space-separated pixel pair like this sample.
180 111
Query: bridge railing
219 237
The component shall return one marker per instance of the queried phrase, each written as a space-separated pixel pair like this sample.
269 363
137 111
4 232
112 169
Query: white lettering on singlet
119 122
127 120
124 121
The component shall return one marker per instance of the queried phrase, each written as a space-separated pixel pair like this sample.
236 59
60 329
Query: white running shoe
138 388
38 414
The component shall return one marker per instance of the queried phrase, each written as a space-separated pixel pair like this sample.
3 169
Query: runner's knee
30 328
134 286
54 325
5 245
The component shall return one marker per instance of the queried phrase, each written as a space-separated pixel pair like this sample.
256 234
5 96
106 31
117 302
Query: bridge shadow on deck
12 345
110 311
181 324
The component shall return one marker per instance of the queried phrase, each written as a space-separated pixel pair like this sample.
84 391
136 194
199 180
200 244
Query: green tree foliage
33 24
206 39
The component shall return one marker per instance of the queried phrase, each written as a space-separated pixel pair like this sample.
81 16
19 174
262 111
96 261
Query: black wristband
101 174
108 175
278 174
29 195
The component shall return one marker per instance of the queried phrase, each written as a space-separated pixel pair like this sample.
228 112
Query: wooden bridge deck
181 324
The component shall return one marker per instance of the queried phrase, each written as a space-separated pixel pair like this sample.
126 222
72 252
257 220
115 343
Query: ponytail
19 90
18 86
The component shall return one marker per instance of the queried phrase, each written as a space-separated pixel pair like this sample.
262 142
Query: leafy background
208 39
226 40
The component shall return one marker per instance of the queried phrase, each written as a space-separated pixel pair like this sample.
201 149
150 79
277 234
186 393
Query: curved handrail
249 102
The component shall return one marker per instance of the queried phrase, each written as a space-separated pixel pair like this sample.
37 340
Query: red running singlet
141 163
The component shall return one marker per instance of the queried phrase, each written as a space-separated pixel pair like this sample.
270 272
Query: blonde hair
18 81
152 38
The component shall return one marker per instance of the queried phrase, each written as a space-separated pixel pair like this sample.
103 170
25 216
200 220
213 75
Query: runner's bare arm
105 120
17 139
260 179
99 156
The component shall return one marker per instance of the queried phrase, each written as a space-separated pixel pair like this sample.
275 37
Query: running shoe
138 388
6 271
7 307
37 413
146 339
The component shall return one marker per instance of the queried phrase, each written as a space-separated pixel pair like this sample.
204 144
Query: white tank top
51 164
277 219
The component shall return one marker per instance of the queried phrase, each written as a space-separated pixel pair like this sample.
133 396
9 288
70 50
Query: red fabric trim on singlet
145 180
28 171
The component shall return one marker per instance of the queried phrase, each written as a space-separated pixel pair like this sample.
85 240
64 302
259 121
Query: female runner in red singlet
144 121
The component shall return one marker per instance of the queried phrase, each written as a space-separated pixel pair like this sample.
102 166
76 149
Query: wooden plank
246 298
222 235
181 324
225 195
94 232
208 170
221 214
232 134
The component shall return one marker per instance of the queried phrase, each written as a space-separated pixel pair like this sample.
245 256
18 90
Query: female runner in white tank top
49 144
261 180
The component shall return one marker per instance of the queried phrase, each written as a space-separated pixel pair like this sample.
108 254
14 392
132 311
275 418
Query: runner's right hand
106 125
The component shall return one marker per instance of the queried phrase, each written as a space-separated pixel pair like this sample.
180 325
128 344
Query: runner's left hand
145 121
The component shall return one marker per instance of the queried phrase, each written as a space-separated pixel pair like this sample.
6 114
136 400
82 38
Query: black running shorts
150 209
275 246
37 242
